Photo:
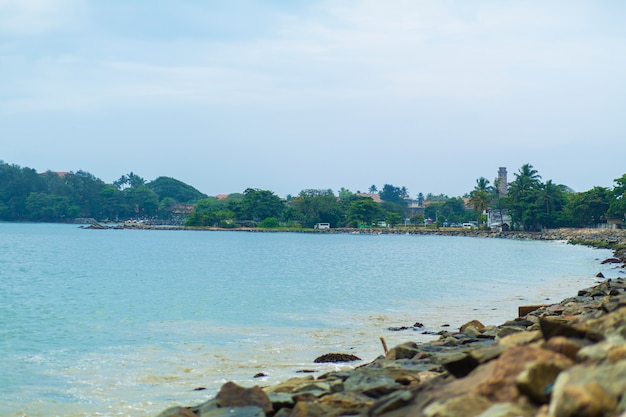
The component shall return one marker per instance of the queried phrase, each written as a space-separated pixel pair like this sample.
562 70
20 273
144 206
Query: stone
472 331
289 385
537 378
313 409
474 323
506 410
246 411
177 412
501 385
551 327
347 400
336 357
233 395
520 338
507 330
392 402
588 400
567 346
374 383
469 405
588 390
403 351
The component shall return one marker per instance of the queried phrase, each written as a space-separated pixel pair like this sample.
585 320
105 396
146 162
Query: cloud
36 17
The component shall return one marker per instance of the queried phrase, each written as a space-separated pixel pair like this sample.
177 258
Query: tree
318 206
260 204
363 211
522 197
589 207
617 208
373 189
166 187
480 197
420 200
392 194
551 200
392 219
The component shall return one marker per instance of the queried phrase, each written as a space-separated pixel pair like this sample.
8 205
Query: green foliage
166 187
259 204
269 223
393 219
317 206
588 208
364 211
393 194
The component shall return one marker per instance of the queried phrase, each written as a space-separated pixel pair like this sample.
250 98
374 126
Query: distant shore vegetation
530 203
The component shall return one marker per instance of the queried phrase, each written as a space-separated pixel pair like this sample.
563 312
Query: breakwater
564 359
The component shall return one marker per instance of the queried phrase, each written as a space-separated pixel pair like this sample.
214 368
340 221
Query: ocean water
130 322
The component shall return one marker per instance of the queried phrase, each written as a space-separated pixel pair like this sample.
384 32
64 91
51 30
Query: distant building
501 182
498 219
373 196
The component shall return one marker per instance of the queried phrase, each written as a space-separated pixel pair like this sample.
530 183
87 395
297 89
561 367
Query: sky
292 95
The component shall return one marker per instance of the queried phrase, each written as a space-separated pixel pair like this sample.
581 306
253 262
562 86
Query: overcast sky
289 95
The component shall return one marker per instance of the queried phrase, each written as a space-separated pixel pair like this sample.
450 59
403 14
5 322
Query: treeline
26 195
532 204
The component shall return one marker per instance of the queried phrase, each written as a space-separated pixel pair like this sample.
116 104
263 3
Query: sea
131 322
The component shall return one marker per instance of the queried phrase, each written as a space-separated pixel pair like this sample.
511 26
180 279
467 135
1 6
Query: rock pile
562 360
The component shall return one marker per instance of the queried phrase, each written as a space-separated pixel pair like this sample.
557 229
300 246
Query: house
498 219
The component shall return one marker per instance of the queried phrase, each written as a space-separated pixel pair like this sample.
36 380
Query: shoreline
563 359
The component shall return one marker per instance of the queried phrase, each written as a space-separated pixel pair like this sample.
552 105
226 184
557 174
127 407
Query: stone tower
501 182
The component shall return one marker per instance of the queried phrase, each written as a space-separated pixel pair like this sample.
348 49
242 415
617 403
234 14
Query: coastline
564 359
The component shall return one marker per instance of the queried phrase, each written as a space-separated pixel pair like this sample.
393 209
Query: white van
322 226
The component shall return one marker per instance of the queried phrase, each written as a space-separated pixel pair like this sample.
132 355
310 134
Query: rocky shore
560 360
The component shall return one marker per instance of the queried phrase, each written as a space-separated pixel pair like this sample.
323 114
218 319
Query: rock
520 338
551 327
177 412
233 395
472 331
469 405
501 385
403 351
566 346
289 385
313 409
336 357
392 402
507 330
588 390
474 323
589 400
247 411
347 401
537 378
506 410
374 383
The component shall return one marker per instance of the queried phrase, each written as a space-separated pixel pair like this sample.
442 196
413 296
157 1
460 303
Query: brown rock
403 351
336 357
588 400
501 385
233 395
177 412
566 346
537 377
474 323
469 405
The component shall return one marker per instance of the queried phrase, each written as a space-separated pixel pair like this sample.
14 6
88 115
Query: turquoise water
129 322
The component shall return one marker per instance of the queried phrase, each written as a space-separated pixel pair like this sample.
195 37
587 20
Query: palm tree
522 197
552 199
480 197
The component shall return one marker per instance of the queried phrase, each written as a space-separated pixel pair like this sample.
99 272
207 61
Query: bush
269 223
